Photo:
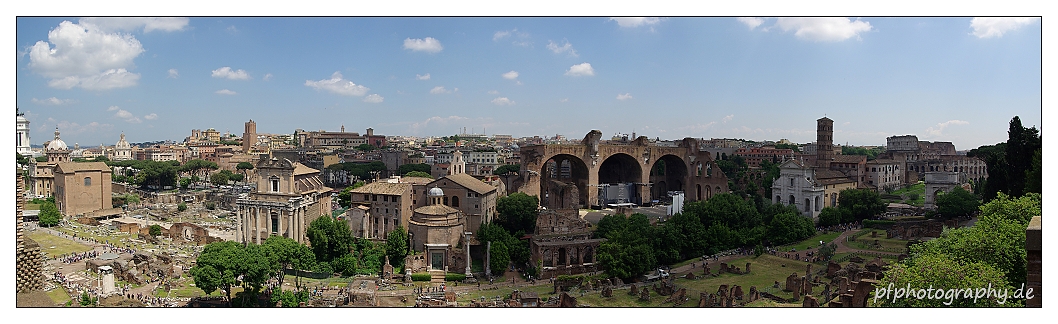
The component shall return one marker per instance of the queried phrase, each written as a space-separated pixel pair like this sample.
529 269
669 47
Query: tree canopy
958 202
49 215
418 174
330 238
1011 165
397 246
506 168
859 204
518 212
421 167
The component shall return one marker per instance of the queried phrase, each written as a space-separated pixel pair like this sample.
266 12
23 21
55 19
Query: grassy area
30 206
59 295
56 246
865 242
765 271
918 189
543 291
811 242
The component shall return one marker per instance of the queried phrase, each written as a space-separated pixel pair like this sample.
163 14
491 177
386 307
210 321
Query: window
445 202
87 181
791 181
374 197
275 183
455 201
367 197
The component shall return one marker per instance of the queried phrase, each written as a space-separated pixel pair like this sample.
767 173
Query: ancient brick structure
915 229
593 164
29 262
563 243
1034 261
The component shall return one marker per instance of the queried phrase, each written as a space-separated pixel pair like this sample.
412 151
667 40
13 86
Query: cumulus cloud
127 24
227 73
751 22
728 118
151 116
988 27
336 84
510 75
503 101
439 90
500 35
72 128
635 21
939 129
226 92
267 77
583 69
824 29
429 45
85 56
373 98
625 96
124 115
52 101
560 49
173 73
422 77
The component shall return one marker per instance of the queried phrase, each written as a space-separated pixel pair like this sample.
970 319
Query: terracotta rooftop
301 169
470 182
436 210
64 167
383 188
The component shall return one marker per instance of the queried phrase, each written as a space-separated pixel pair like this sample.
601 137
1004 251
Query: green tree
421 167
958 202
827 250
290 254
217 267
507 168
859 204
256 267
219 178
347 265
1022 144
366 147
243 167
330 239
197 165
397 246
1034 177
87 300
41 159
939 271
155 230
210 205
21 159
181 206
345 198
829 216
627 252
518 212
290 298
789 227
1020 210
499 259
727 209
49 215
418 174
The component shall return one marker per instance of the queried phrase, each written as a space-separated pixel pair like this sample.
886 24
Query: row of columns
573 255
257 220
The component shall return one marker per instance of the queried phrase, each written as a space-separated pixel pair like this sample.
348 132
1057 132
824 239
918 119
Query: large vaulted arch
669 173
558 174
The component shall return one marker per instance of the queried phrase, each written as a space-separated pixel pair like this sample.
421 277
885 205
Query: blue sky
943 79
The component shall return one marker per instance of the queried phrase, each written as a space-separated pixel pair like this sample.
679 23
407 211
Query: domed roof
57 144
122 143
436 192
514 147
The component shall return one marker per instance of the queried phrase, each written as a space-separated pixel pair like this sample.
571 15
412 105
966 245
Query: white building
122 150
884 174
22 134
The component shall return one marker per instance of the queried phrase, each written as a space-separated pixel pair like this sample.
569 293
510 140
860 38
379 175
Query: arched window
817 203
455 201
791 200
87 181
446 201
709 170
699 168
275 183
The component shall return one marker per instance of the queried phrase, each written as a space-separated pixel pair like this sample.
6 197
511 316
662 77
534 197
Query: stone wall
29 261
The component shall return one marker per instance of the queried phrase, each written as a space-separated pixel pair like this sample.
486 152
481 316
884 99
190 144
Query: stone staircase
437 277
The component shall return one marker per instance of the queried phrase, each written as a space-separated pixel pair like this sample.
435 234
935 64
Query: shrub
181 207
451 276
421 276
211 205
879 224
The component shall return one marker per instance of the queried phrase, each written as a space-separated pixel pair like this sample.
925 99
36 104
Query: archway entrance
619 177
668 174
564 182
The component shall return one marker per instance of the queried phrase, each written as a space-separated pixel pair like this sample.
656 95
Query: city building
122 150
82 187
42 181
754 156
918 157
22 142
436 230
388 205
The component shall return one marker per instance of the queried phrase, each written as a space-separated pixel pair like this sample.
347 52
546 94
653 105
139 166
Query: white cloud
564 100
228 73
116 24
373 98
635 21
581 70
728 118
625 96
510 75
939 129
492 92
232 30
500 35
267 77
503 101
338 85
52 101
85 56
151 116
429 44
226 92
560 49
71 128
124 114
173 73
824 29
439 90
751 22
422 77
987 27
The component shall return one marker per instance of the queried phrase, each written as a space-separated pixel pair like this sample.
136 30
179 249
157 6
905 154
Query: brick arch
676 172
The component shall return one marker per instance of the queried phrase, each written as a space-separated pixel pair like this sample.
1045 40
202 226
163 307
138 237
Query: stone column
466 247
257 225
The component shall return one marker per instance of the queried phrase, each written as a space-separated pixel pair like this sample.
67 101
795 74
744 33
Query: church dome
122 144
436 192
57 144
